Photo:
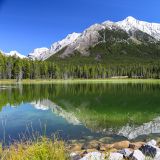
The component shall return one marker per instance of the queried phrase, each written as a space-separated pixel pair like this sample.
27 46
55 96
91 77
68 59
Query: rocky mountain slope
129 36
44 53
39 53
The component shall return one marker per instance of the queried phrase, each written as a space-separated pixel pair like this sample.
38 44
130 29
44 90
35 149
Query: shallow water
77 111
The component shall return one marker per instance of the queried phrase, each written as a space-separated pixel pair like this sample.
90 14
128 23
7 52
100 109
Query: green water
80 110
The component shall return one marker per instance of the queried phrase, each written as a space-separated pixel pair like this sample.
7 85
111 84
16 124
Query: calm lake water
78 111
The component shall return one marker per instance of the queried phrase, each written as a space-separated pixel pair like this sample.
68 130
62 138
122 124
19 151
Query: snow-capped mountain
57 46
15 53
81 42
39 53
44 53
90 37
130 23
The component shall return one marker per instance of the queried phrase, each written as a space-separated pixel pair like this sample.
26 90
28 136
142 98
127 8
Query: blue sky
29 24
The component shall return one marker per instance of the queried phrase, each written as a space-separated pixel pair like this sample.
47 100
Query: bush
42 149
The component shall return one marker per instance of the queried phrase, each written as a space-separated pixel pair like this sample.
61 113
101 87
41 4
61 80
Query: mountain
14 53
130 23
44 53
39 53
100 41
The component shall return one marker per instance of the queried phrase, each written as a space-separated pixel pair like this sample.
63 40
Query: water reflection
47 104
128 110
132 132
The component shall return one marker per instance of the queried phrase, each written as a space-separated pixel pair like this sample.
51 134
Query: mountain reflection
129 110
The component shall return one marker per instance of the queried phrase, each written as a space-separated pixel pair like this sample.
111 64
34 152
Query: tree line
12 67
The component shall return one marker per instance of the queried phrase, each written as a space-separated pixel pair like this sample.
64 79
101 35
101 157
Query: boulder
94 156
119 145
91 145
75 156
76 147
91 150
116 156
126 152
136 145
137 155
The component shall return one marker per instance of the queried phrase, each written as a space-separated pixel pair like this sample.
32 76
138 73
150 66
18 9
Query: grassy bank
46 149
58 81
43 149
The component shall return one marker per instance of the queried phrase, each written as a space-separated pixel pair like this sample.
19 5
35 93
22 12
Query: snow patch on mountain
71 38
57 46
44 53
88 38
82 41
15 53
130 23
91 35
39 53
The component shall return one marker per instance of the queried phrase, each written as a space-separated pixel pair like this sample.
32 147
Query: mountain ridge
135 30
90 36
14 53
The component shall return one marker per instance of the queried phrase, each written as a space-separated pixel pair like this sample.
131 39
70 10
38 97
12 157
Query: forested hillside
128 48
16 68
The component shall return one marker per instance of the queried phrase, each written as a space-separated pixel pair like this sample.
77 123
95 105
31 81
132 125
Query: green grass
59 81
42 149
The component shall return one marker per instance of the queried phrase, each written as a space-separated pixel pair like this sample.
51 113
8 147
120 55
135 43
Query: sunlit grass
42 149
46 81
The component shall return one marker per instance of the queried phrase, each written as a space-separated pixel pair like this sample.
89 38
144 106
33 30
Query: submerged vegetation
42 149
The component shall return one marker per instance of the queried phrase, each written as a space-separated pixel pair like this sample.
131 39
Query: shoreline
74 81
74 150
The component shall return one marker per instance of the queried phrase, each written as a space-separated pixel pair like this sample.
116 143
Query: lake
77 111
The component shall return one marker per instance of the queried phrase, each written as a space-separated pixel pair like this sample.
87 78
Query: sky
29 24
